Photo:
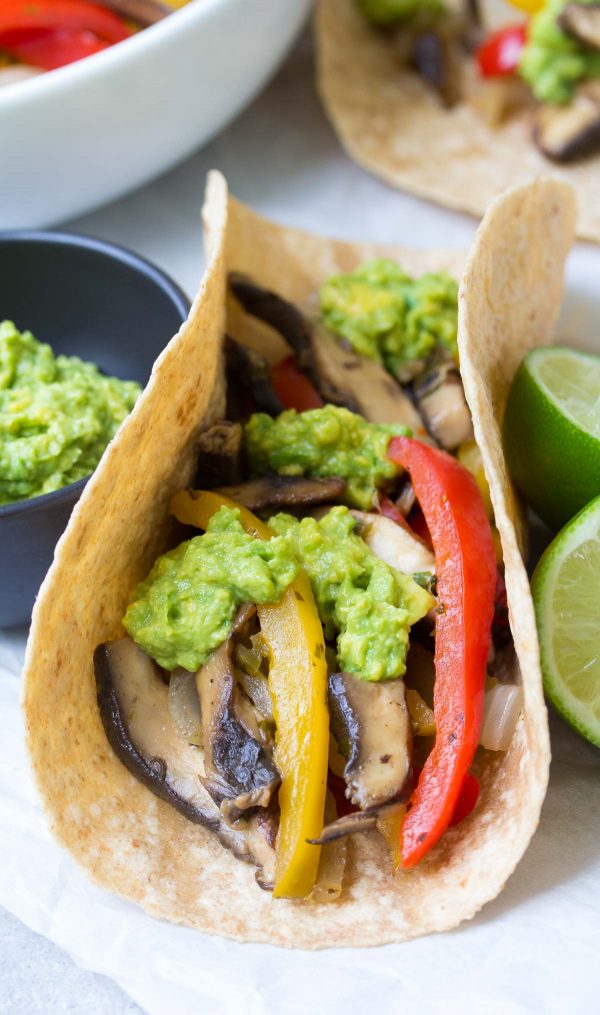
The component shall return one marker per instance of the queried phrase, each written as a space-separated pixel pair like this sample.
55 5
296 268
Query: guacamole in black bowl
81 323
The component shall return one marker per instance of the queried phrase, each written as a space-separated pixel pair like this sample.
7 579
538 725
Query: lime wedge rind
551 431
569 623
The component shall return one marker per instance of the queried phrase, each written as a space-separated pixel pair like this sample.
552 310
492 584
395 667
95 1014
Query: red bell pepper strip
417 522
72 15
389 510
465 565
467 798
51 49
293 388
501 52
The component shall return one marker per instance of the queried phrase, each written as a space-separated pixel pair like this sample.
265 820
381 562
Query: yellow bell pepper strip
421 715
469 455
298 685
391 829
529 6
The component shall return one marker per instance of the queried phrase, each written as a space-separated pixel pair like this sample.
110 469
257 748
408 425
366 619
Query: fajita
187 769
457 100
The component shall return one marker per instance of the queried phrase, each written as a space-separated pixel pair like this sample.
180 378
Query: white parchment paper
534 949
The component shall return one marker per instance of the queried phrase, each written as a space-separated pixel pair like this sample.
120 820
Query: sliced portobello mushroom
357 821
263 826
248 374
220 451
233 810
340 375
379 396
433 44
359 383
434 57
472 10
441 400
393 544
371 725
581 22
132 700
566 133
238 762
273 491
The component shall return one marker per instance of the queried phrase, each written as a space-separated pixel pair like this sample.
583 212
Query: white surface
38 978
534 948
91 131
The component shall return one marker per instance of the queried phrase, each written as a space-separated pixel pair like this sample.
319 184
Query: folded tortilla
125 838
394 125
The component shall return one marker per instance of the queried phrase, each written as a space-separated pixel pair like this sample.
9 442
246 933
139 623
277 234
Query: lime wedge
552 431
566 593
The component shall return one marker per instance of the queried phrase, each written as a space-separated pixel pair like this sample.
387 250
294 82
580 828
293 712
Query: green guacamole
389 12
553 63
57 414
331 441
390 317
186 606
362 600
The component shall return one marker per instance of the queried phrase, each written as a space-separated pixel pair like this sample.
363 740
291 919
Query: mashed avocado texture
57 414
553 63
186 606
362 600
389 12
331 441
390 317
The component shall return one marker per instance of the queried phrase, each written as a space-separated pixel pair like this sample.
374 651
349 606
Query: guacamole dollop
365 602
553 63
187 605
389 316
331 441
57 414
389 12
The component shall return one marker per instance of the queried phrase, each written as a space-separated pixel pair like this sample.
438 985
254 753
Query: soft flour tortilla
128 840
394 125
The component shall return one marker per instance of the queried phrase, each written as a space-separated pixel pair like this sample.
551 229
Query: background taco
137 845
449 148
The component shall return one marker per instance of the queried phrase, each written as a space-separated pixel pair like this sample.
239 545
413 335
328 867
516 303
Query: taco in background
233 710
455 100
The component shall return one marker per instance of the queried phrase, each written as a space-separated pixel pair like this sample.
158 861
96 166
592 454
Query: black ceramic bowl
90 299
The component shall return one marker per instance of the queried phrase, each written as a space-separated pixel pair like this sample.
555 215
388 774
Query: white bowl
82 135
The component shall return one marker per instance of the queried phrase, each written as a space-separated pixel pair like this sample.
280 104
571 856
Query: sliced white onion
501 709
332 862
184 706
257 689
